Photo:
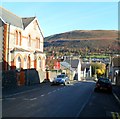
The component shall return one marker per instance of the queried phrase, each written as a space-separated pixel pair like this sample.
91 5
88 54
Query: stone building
22 42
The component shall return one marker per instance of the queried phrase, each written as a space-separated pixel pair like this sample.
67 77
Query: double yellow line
115 115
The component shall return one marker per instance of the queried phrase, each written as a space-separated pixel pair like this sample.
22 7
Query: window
29 41
37 43
16 37
20 39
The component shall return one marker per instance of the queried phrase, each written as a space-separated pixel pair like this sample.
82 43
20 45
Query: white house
80 70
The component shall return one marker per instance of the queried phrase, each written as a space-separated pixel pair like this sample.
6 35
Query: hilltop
80 41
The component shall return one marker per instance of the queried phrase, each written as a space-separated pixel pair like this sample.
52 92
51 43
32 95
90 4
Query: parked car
103 84
61 79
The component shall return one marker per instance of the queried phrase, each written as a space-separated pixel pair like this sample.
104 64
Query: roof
27 21
85 65
74 63
10 18
66 65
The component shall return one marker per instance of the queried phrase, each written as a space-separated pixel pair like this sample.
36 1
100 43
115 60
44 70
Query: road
77 99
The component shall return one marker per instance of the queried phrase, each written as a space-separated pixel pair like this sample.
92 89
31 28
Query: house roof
10 18
85 65
66 65
74 63
27 21
14 20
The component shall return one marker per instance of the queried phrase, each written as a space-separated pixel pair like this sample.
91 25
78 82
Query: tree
98 68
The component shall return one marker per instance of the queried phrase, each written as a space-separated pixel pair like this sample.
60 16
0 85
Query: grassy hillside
84 35
84 41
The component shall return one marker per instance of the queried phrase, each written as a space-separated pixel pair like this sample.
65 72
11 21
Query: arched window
29 41
20 39
16 37
37 43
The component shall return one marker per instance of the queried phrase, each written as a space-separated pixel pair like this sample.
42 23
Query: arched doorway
39 63
18 63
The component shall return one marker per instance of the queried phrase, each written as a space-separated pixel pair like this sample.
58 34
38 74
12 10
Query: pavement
20 89
9 92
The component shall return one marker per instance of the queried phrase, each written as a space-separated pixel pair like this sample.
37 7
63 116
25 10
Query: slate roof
74 63
14 20
66 65
27 21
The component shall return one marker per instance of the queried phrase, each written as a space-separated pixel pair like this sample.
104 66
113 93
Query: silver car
61 79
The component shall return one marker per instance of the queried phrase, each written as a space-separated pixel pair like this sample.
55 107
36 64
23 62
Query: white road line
49 93
33 99
42 95
54 91
116 97
83 106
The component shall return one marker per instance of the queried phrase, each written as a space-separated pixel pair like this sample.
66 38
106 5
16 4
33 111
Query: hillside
93 40
84 35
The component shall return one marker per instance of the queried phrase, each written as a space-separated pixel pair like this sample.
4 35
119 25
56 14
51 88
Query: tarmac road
77 99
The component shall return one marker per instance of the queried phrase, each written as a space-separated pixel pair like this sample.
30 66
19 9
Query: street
77 99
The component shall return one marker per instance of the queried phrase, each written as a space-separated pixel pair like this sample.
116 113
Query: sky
59 17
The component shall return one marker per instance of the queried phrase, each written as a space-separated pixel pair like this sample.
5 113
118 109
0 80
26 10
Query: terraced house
22 42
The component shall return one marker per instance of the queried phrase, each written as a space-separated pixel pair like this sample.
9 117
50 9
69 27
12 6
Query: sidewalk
20 89
116 93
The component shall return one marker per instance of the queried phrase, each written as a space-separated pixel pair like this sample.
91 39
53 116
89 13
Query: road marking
83 106
116 97
33 99
54 91
49 93
42 95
